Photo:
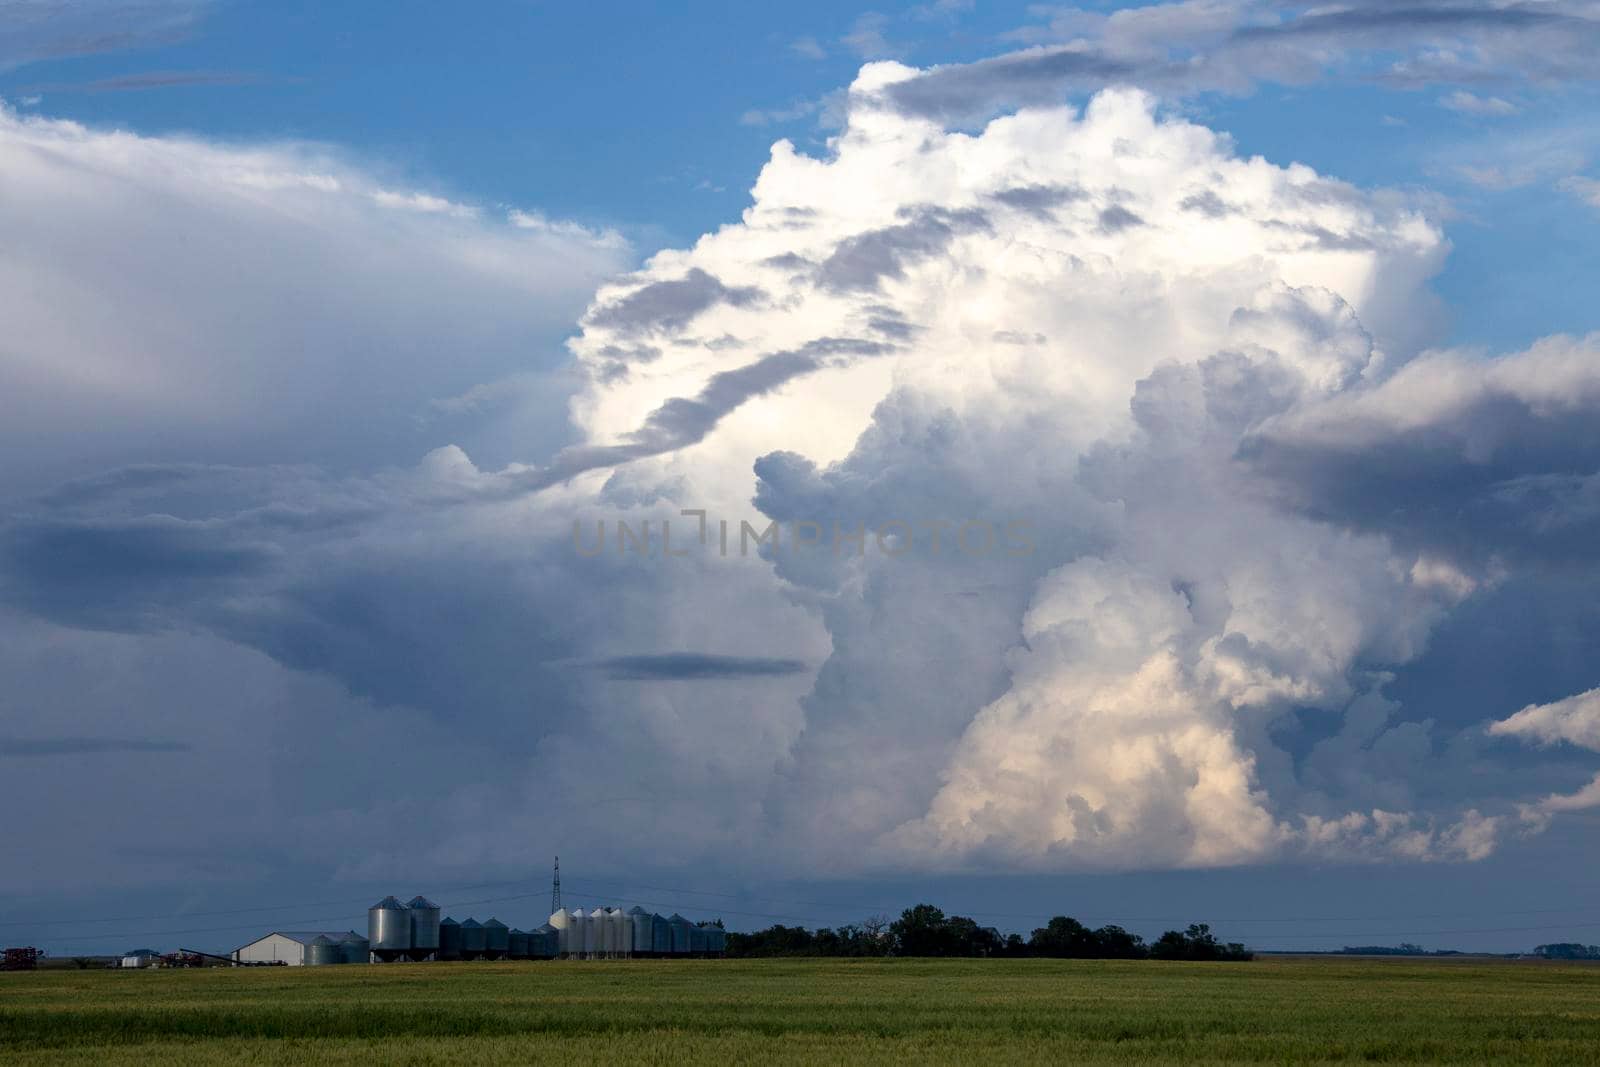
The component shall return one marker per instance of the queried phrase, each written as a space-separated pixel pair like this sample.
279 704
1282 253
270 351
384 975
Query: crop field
793 1011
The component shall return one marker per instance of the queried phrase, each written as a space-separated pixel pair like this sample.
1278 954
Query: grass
781 1011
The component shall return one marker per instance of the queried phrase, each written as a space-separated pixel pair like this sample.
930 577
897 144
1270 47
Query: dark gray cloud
1039 200
1206 203
683 421
1035 76
1469 458
1234 45
670 305
696 666
113 572
863 261
76 746
1116 218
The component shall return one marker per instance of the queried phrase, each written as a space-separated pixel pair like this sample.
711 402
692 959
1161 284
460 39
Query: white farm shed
286 946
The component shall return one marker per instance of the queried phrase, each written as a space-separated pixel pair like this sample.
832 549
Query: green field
780 1011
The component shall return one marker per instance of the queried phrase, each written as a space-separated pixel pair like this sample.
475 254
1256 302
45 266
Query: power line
832 907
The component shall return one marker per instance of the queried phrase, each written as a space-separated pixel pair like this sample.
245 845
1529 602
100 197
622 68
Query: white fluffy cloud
170 300
1575 719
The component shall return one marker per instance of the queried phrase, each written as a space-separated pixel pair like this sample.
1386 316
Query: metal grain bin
639 942
680 933
389 927
561 923
660 934
496 939
545 942
620 930
472 939
449 940
519 944
354 948
716 939
589 926
424 927
697 939
322 951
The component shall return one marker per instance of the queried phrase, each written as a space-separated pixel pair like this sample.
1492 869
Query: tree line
925 930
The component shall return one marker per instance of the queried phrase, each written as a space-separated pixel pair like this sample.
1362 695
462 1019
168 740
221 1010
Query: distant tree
1062 938
921 931
1568 950
82 962
1197 943
1115 943
1067 938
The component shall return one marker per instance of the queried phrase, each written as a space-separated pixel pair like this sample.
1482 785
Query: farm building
298 947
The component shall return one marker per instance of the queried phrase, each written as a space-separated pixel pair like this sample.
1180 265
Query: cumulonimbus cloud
1166 362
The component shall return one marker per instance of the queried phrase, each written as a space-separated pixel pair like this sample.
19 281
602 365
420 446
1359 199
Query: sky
1132 461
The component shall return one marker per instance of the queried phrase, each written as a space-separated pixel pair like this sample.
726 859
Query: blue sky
326 324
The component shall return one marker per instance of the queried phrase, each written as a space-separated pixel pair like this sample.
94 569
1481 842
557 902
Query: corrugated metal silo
545 942
697 939
424 927
660 934
591 922
600 919
449 940
680 932
472 939
519 944
496 939
621 931
561 923
322 951
716 939
639 943
389 928
354 948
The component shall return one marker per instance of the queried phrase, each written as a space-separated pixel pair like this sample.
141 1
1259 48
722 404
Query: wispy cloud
19 748
696 666
1469 104
154 79
35 30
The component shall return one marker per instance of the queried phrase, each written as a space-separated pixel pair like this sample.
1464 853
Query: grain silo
601 918
496 940
561 923
716 939
697 939
639 942
591 922
680 933
660 934
472 939
424 927
354 948
322 951
621 928
449 940
389 929
545 942
519 944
